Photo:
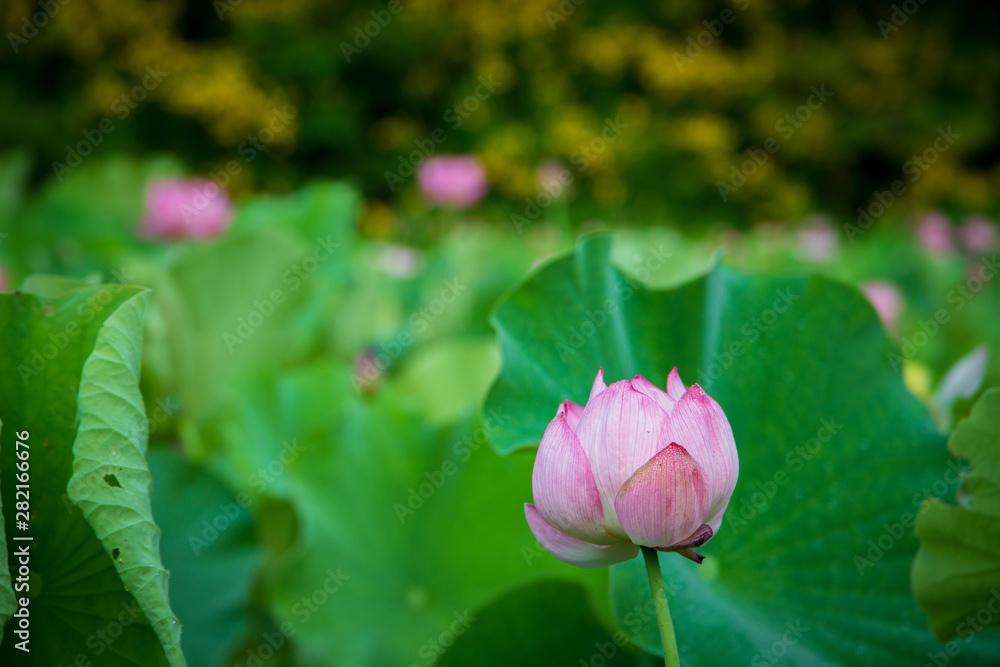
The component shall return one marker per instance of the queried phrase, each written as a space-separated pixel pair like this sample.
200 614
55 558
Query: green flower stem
651 557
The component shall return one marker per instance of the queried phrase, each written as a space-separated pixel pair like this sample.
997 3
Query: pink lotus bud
638 466
934 233
978 235
454 180
186 209
887 300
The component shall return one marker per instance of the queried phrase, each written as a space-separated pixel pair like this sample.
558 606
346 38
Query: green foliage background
693 103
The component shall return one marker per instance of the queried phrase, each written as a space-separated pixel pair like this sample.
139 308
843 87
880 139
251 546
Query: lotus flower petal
572 411
563 485
573 551
644 386
454 180
665 502
715 522
620 430
598 386
185 209
700 426
636 466
675 388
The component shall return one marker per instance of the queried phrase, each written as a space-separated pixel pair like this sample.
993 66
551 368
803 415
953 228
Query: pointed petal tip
570 412
675 388
598 385
650 390
691 554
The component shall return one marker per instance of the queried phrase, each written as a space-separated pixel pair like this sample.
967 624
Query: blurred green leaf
402 524
84 222
229 305
956 574
315 211
450 378
811 563
208 547
541 624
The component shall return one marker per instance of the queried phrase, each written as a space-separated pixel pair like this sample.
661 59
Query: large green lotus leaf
208 546
402 525
956 575
552 623
811 564
318 210
70 377
226 306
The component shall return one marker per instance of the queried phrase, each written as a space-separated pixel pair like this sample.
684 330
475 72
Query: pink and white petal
563 485
699 425
675 388
620 430
644 386
715 522
570 550
666 500
598 385
571 411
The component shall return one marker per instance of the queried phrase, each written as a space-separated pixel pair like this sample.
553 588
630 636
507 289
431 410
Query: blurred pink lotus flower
398 260
887 300
186 209
978 234
934 233
3 280
638 466
818 240
454 180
